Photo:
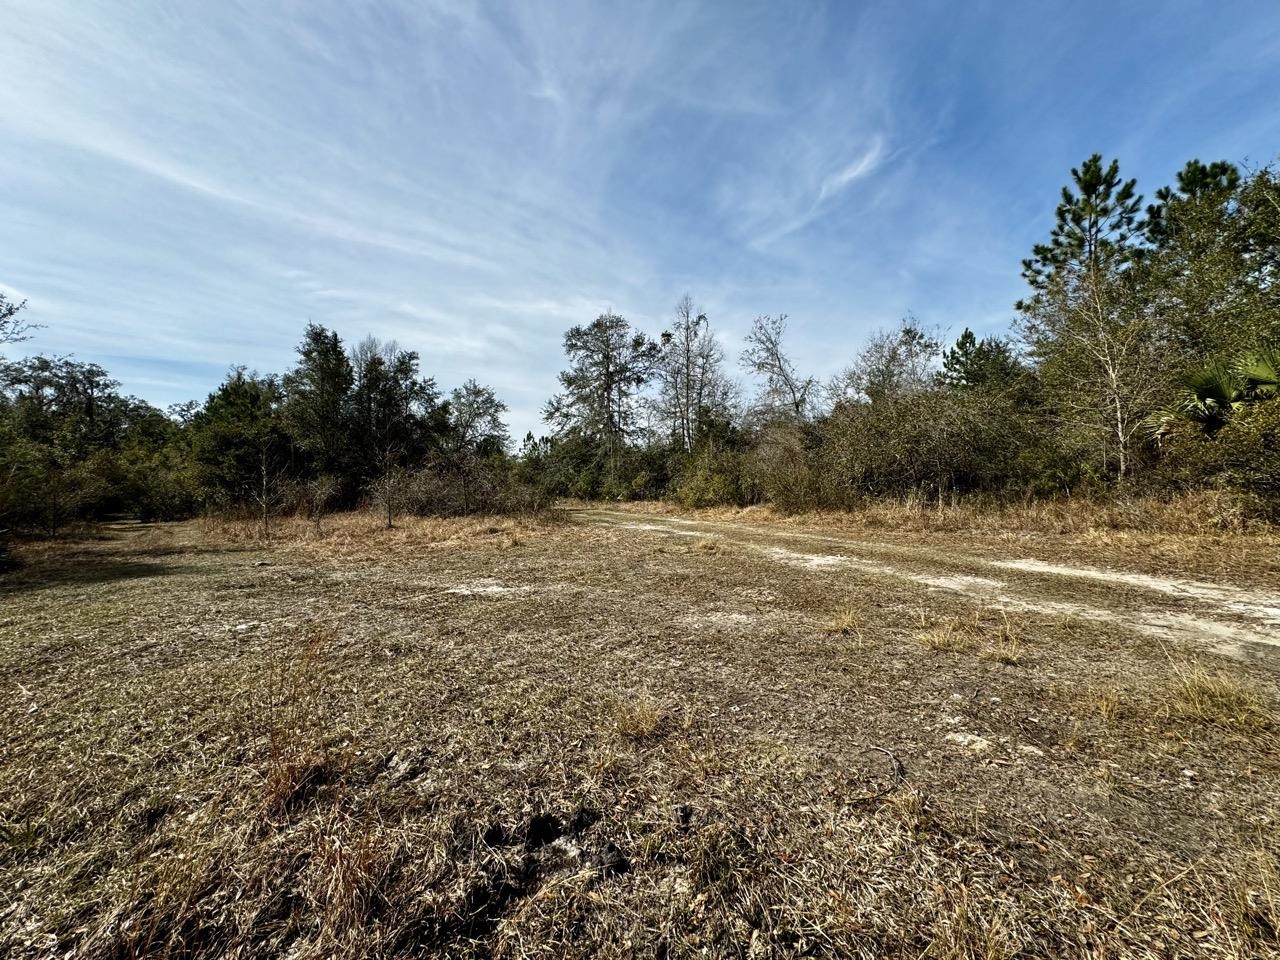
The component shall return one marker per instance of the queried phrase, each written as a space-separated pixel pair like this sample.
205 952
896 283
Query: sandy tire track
1227 619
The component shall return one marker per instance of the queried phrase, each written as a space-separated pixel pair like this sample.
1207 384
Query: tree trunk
262 496
1121 445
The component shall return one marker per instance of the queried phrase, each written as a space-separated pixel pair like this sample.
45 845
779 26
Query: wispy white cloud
795 217
859 168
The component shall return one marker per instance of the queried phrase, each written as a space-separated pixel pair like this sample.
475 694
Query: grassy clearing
517 738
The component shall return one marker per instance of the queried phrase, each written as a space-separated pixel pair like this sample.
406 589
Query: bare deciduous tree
692 385
270 487
318 494
391 492
894 363
785 391
13 328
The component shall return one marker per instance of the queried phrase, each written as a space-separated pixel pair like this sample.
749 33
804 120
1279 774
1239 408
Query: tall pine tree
1096 223
609 363
318 402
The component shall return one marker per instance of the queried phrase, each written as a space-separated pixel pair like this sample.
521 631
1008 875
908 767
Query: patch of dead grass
847 622
1257 897
995 634
641 719
363 536
1004 642
948 636
1108 702
1215 696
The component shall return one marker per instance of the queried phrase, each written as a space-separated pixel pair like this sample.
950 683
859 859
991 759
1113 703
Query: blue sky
184 184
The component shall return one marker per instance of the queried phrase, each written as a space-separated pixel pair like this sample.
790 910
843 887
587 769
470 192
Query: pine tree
1199 185
1207 276
986 364
1095 226
318 401
1097 345
609 364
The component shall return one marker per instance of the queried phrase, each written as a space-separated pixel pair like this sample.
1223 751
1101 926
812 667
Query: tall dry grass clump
1217 697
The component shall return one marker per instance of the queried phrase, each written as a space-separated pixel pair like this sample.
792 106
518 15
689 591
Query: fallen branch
899 775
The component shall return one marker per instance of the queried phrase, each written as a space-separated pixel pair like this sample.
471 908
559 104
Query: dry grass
948 637
996 634
431 741
1194 512
641 719
1257 901
846 623
1005 641
1108 702
363 537
1215 696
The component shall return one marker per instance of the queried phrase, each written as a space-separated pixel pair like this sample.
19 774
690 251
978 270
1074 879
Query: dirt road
1237 621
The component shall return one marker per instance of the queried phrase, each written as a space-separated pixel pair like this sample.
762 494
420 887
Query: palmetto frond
1209 398
1259 372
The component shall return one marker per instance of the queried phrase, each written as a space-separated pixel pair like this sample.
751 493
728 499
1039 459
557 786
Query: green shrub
711 480
1243 456
1250 454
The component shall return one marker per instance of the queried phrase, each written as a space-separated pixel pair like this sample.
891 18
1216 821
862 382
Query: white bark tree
692 386
1103 359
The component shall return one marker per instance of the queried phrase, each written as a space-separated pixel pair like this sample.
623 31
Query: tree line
1144 356
342 427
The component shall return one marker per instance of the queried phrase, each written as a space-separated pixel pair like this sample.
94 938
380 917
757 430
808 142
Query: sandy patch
1226 638
1248 603
659 528
960 582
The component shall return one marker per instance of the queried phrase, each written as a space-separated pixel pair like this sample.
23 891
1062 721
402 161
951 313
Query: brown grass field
634 732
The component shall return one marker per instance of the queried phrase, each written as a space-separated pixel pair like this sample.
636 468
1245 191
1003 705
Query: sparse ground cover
636 733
